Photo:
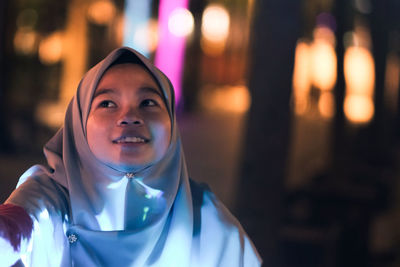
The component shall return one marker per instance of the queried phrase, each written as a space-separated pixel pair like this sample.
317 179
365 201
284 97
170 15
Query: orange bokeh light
358 108
51 48
359 72
101 12
235 99
301 77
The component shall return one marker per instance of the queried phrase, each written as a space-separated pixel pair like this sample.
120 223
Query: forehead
127 77
126 72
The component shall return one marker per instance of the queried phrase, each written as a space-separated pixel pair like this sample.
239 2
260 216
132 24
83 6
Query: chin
130 166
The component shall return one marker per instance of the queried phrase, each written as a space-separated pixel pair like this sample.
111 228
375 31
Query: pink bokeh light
171 48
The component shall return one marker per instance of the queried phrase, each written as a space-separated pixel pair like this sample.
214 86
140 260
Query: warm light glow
50 49
359 73
325 34
181 22
360 79
323 59
358 108
25 42
359 70
119 30
301 77
214 29
234 99
326 105
215 23
211 48
50 114
323 66
315 65
146 36
101 12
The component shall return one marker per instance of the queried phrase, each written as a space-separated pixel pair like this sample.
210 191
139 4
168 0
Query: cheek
167 132
90 130
162 130
94 132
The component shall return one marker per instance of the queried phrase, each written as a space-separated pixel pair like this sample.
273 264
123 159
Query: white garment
88 214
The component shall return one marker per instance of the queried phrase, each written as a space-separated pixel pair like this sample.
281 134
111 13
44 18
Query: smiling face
128 126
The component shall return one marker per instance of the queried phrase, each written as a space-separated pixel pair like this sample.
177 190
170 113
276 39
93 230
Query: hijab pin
130 175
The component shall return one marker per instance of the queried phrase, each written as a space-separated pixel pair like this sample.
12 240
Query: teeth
131 140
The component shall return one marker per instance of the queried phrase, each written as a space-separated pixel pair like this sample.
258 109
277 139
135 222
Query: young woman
116 191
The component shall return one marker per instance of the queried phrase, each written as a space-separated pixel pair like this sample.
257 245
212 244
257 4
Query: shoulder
37 191
220 234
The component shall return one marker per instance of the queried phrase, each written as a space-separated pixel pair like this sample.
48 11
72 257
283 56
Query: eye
107 104
149 103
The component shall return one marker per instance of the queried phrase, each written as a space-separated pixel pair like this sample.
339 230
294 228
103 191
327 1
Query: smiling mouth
130 140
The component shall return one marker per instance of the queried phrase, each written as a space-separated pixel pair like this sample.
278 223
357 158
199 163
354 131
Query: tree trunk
272 43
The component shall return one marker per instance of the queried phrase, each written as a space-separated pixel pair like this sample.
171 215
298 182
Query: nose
130 116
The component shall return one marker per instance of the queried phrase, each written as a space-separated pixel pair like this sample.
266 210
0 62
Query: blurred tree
5 67
191 82
340 10
272 43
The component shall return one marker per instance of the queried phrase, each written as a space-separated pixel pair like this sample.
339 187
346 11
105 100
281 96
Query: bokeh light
315 66
181 22
234 99
215 23
323 59
51 48
301 77
169 56
358 108
359 70
25 41
326 105
214 29
101 12
146 36
138 27
26 38
50 114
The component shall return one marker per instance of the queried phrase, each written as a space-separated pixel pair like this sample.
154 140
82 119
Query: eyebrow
145 89
103 91
151 90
